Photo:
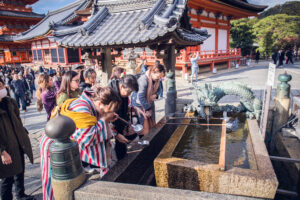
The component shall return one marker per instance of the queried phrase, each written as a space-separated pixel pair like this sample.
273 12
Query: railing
184 58
203 55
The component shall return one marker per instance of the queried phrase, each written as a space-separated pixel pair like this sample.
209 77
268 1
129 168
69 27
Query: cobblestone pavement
254 77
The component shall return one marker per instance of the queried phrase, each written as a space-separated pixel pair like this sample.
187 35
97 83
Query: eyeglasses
77 80
92 77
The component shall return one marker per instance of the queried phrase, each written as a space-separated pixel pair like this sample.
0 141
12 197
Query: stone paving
254 77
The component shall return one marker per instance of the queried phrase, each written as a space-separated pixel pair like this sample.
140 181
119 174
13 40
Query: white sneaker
89 170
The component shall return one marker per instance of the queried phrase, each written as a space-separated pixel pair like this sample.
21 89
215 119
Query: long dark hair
116 72
65 83
2 81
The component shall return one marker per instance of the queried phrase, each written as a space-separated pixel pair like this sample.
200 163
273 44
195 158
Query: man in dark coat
14 143
281 58
275 56
257 56
289 56
124 87
19 90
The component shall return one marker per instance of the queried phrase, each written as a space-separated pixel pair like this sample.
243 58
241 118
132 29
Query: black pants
18 180
121 148
289 59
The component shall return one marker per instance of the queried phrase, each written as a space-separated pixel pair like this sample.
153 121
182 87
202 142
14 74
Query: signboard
271 74
267 99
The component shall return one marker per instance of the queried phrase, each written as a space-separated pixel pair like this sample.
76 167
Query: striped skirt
45 167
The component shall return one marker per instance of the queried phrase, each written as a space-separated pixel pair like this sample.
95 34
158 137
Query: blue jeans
18 97
194 72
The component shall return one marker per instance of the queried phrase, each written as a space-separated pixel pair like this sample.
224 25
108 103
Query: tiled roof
244 5
123 23
54 18
20 14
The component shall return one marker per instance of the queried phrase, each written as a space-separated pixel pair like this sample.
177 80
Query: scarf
81 120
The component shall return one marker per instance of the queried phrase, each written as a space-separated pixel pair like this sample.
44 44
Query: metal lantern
64 153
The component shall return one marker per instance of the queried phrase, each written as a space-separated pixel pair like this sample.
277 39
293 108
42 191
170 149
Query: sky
43 6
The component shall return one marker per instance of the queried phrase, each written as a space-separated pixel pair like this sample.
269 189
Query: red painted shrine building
15 16
212 15
47 53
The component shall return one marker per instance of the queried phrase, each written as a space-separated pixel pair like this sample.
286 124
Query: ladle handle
124 121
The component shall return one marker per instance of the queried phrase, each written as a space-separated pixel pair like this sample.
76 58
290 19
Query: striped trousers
46 168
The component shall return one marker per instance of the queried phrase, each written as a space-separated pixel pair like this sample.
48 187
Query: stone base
181 173
289 147
63 190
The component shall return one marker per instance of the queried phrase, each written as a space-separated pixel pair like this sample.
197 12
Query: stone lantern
67 171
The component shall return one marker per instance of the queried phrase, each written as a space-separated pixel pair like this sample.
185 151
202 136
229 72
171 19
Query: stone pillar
282 105
67 171
170 61
63 189
106 63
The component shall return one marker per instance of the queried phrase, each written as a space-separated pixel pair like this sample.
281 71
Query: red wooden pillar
184 65
43 54
239 54
66 56
217 36
212 66
228 64
79 51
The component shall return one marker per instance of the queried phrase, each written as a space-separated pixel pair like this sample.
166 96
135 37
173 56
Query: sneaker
89 170
25 197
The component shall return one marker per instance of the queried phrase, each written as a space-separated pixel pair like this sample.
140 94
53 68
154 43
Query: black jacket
13 137
83 86
123 110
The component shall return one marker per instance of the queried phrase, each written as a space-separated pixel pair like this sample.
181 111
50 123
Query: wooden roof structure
132 23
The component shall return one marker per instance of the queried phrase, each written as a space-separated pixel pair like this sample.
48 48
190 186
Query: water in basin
202 144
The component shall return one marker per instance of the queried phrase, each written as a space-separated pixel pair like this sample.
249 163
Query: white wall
209 44
222 39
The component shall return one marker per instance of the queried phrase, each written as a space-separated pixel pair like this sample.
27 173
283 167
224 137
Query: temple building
55 39
215 16
16 17
49 53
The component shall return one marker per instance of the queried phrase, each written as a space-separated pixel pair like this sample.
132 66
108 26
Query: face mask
3 93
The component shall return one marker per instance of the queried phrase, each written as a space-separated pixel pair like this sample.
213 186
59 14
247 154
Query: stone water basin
189 160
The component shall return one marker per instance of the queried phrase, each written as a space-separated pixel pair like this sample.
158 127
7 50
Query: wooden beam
106 63
222 147
216 7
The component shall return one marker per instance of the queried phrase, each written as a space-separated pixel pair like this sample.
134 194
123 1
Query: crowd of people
98 112
279 57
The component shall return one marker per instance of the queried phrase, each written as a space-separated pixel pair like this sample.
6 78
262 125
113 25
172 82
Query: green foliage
289 8
277 32
242 35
